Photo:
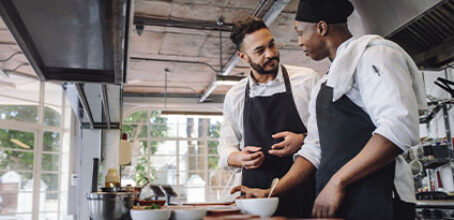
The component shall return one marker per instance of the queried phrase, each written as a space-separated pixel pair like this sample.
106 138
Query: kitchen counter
282 218
276 218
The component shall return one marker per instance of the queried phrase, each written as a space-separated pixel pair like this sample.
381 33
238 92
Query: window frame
205 138
38 129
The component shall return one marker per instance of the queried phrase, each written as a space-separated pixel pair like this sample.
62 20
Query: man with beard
265 117
363 115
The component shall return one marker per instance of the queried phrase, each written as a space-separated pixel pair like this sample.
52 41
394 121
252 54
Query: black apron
262 117
344 129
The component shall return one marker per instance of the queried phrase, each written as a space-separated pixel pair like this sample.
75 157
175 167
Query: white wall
90 147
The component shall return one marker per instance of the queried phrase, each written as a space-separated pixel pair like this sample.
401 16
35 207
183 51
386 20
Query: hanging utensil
94 178
445 84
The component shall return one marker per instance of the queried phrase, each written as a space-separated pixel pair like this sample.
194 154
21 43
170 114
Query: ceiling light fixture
228 79
139 28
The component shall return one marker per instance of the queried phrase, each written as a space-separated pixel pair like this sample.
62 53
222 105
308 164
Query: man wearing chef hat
363 115
265 117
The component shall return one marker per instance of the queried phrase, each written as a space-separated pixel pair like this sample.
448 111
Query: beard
260 69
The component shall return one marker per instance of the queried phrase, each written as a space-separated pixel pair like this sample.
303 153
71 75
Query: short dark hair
246 25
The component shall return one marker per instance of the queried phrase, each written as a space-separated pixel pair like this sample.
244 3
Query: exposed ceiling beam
275 9
140 19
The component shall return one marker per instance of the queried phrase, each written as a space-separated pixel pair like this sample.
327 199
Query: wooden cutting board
232 217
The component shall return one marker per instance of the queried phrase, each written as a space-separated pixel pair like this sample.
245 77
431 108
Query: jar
112 178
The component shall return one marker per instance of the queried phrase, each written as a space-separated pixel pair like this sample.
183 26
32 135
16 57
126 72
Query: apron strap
246 93
288 88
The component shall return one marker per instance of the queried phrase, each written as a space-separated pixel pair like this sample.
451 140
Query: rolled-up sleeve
385 86
311 148
230 135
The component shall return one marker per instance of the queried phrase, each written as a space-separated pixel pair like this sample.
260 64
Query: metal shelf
434 163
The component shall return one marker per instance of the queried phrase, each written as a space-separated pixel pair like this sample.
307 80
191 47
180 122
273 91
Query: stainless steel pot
110 205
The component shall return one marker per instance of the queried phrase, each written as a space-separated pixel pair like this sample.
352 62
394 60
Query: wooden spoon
273 185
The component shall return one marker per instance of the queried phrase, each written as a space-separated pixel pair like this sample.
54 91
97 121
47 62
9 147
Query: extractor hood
424 28
82 44
66 40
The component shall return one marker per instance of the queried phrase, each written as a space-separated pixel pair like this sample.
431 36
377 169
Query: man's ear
322 28
242 56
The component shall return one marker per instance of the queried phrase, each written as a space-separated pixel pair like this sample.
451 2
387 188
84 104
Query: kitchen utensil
273 185
416 167
138 188
147 214
111 189
239 204
170 193
94 178
445 84
137 191
110 205
188 213
265 207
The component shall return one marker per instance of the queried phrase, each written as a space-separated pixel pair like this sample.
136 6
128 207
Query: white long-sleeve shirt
382 88
231 139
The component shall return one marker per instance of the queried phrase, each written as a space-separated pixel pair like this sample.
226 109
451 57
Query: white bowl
188 213
265 207
150 214
239 204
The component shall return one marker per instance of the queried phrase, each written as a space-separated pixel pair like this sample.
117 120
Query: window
177 150
34 121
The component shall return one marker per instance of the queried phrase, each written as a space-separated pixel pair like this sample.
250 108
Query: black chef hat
331 11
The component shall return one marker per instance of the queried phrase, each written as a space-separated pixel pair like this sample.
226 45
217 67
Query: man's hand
292 143
250 192
250 157
329 199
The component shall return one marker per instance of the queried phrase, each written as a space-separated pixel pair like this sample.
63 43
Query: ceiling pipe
268 18
175 61
11 56
105 104
141 20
